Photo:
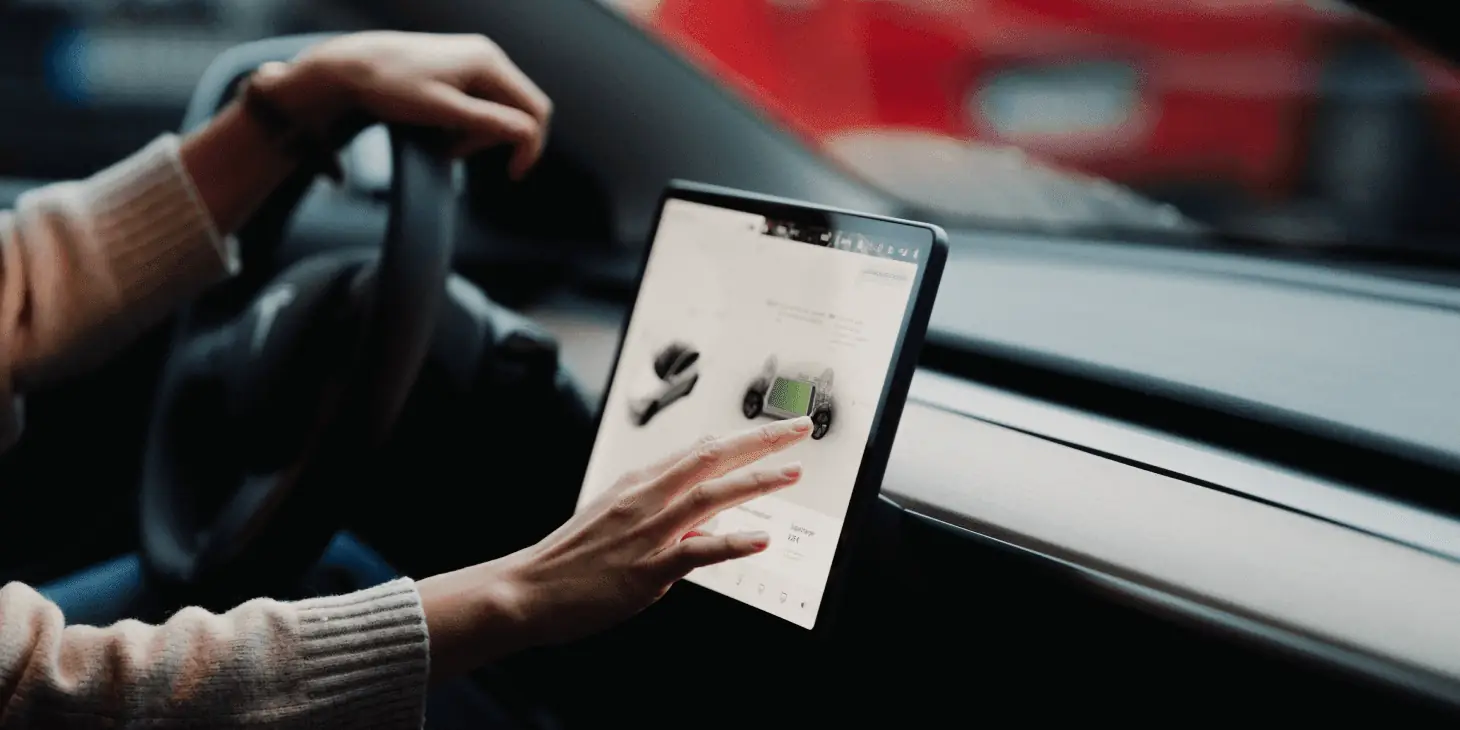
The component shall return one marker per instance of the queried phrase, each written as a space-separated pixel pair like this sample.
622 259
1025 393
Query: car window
84 82
1282 120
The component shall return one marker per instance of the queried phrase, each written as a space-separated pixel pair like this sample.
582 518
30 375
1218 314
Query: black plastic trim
1367 461
1188 478
1202 616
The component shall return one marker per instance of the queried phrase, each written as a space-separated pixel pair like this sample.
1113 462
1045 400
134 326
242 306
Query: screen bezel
932 245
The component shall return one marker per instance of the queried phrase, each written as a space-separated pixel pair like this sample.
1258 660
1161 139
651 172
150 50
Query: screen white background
715 283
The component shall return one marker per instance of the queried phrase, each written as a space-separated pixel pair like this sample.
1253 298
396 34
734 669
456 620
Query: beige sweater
84 266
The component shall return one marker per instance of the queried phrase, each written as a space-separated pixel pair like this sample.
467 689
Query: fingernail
791 470
801 425
758 540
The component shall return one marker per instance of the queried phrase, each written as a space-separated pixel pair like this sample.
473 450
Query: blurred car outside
1255 113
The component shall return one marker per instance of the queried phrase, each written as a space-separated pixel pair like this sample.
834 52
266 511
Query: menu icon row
849 241
857 243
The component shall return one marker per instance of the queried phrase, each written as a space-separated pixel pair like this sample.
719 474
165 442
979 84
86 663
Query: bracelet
316 151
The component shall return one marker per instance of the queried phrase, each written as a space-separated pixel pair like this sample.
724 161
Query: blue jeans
108 592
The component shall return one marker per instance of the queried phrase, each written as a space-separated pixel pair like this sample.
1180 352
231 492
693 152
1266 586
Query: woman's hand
614 558
463 84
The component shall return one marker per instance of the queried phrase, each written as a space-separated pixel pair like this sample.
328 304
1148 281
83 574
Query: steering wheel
273 398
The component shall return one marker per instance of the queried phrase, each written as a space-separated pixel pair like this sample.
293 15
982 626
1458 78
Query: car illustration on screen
674 375
791 393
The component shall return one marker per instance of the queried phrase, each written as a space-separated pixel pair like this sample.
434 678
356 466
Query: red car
1265 102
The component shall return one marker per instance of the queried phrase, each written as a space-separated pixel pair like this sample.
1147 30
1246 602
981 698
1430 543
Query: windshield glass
1301 121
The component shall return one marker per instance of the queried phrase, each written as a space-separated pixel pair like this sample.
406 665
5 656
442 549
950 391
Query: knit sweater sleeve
87 265
84 266
353 661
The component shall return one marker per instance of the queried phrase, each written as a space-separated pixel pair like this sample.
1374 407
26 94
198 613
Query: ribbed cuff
155 230
365 657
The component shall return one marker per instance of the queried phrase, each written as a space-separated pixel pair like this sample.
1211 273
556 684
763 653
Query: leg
108 592
348 565
102 594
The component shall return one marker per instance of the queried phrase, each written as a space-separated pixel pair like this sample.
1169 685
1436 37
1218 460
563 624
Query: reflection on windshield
1293 119
953 177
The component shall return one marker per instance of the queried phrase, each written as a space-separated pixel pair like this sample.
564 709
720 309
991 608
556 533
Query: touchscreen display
739 320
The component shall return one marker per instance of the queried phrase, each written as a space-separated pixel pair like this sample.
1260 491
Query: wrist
502 598
474 616
309 92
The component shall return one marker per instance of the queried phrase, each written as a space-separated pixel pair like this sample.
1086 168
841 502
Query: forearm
473 616
235 165
86 265
358 660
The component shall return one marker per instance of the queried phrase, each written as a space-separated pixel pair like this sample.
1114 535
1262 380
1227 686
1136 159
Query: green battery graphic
790 398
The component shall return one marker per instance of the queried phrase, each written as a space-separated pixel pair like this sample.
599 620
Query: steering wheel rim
273 525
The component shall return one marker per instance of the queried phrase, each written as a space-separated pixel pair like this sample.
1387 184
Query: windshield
1300 121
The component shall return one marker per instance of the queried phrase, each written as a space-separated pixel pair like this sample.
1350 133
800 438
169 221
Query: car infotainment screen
741 318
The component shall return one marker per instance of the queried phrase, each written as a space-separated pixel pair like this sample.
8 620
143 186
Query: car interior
1148 471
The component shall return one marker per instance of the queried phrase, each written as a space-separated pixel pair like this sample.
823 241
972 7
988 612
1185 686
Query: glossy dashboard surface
1345 350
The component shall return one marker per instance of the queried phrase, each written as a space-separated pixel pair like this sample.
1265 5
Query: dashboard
1362 355
1290 571
1166 522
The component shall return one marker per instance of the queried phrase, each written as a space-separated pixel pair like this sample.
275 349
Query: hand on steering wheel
463 84
615 557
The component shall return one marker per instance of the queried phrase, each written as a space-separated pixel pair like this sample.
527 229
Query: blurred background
1289 122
